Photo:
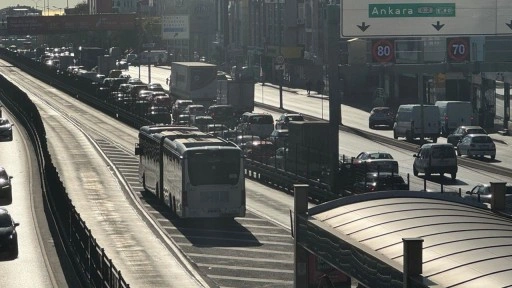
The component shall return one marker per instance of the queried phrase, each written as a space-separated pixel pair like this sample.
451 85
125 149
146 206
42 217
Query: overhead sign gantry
406 18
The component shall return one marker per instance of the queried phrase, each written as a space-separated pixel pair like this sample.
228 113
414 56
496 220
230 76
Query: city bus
195 174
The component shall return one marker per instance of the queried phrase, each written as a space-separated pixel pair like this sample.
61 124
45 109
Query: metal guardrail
97 270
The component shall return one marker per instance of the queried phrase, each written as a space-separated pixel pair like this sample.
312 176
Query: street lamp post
280 43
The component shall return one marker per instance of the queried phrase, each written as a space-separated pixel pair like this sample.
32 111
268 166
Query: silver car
477 145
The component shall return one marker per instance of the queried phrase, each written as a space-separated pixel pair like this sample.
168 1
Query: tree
81 9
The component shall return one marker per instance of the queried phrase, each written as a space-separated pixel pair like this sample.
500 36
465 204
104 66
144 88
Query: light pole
60 9
280 43
36 2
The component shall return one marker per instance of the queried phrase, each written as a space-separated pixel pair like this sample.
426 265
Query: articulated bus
196 174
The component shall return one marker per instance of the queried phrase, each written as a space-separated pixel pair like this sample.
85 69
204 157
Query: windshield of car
381 110
261 119
5 220
380 156
476 131
295 118
443 152
3 174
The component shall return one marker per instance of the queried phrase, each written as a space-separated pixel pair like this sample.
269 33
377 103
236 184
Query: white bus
197 175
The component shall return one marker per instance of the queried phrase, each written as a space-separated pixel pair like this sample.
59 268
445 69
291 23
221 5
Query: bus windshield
213 167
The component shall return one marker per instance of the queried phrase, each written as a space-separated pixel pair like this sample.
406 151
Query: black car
383 181
159 114
5 129
381 116
8 235
5 185
462 131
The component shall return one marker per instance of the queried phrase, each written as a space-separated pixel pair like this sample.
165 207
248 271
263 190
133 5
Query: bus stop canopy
464 243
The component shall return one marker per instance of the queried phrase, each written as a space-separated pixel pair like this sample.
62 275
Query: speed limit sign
280 59
383 51
458 49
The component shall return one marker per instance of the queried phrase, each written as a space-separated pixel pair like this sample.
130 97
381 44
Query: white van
454 114
408 122
258 124
435 158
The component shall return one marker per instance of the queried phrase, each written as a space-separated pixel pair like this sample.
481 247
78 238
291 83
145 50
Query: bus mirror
138 150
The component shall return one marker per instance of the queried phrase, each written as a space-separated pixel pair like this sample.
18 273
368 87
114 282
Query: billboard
175 27
34 25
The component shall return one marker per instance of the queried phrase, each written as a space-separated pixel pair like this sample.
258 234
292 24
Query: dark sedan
159 114
462 131
8 235
383 181
5 185
5 129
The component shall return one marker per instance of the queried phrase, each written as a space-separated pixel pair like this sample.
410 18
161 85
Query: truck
152 57
196 81
89 56
307 154
238 94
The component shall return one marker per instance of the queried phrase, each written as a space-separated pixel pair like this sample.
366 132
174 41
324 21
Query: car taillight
445 118
371 188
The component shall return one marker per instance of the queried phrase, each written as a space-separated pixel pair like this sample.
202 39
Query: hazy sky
39 3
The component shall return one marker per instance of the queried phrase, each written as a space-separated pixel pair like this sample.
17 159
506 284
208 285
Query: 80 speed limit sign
383 51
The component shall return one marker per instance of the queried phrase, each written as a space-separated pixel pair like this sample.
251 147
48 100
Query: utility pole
280 43
335 92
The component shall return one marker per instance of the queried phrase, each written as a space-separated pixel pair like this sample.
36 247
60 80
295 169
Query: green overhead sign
403 10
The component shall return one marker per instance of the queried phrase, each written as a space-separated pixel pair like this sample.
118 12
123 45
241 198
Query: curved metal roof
464 245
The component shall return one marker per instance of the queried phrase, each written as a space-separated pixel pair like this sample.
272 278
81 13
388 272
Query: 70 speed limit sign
383 51
458 49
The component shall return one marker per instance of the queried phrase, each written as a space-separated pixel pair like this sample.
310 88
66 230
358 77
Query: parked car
159 114
435 158
215 128
241 140
278 160
482 193
260 150
178 107
380 181
381 116
477 145
284 119
201 121
279 137
5 185
5 129
374 162
229 134
193 111
157 87
8 235
462 131
259 124
182 120
223 114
